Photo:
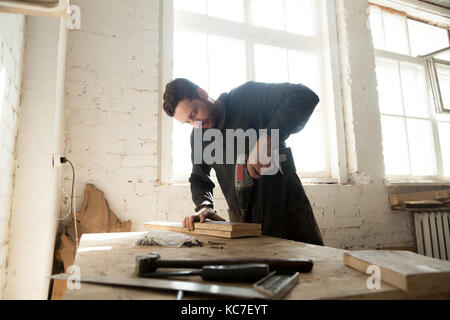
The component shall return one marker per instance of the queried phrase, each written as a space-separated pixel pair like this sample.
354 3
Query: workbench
114 255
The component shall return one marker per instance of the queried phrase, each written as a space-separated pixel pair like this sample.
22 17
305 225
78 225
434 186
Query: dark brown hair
176 91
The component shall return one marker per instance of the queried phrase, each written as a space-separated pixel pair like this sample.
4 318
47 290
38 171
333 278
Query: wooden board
403 269
423 204
228 230
227 226
398 199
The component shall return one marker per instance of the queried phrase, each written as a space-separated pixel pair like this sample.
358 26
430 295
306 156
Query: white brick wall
11 58
112 126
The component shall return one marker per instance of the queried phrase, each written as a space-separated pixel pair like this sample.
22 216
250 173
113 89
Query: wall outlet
56 161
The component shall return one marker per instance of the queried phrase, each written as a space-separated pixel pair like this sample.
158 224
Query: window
416 139
220 45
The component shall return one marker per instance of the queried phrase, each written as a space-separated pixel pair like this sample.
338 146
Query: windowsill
316 181
305 181
415 182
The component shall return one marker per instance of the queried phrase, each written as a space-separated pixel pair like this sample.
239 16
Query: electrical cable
68 197
72 203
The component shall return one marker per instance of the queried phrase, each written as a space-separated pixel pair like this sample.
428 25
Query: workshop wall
11 61
35 200
112 92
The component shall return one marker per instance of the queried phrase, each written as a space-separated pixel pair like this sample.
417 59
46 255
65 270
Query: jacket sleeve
201 184
293 109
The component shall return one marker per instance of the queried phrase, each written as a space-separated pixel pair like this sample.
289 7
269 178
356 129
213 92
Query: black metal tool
228 273
151 262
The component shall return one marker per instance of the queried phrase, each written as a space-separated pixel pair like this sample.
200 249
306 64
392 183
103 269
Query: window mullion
405 21
247 13
434 125
384 31
404 117
249 44
250 48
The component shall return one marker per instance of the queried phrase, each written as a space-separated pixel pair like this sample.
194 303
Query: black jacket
278 202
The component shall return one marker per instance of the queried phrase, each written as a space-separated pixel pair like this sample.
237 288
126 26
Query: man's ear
202 94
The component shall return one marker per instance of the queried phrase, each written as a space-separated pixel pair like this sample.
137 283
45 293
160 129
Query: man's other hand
201 216
260 157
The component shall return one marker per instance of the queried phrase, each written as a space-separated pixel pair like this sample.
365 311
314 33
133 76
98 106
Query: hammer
150 262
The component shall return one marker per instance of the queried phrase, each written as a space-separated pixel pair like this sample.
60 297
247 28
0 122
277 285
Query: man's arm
201 186
202 192
294 109
285 107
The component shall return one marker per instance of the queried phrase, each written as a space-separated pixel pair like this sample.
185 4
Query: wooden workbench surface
113 254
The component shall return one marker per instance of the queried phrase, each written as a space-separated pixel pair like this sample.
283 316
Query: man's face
191 111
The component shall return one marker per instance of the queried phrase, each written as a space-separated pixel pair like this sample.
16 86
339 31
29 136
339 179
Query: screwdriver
250 272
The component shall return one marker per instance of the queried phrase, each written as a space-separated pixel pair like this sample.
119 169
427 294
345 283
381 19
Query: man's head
188 103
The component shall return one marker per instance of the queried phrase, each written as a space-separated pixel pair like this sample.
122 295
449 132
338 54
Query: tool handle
228 273
235 273
181 273
297 265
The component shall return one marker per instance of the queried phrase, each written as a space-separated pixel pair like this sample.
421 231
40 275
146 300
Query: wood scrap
211 228
95 216
397 201
404 269
423 204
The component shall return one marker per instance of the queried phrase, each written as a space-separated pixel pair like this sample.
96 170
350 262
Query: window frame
431 62
330 78
398 58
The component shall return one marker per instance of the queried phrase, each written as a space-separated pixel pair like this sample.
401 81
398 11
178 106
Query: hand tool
228 273
150 262
277 284
243 183
179 286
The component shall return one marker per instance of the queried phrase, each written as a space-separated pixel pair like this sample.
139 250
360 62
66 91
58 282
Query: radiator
432 233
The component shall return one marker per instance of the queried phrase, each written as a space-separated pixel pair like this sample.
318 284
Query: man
277 200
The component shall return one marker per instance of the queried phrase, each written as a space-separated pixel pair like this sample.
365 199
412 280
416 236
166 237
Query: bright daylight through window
416 139
220 45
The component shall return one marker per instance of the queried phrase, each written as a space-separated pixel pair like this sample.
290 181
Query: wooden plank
403 269
178 227
398 199
47 8
227 226
423 204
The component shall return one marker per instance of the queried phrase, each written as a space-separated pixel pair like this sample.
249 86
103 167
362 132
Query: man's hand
202 215
256 161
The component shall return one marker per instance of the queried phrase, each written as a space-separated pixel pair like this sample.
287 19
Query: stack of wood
435 199
221 229
95 217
